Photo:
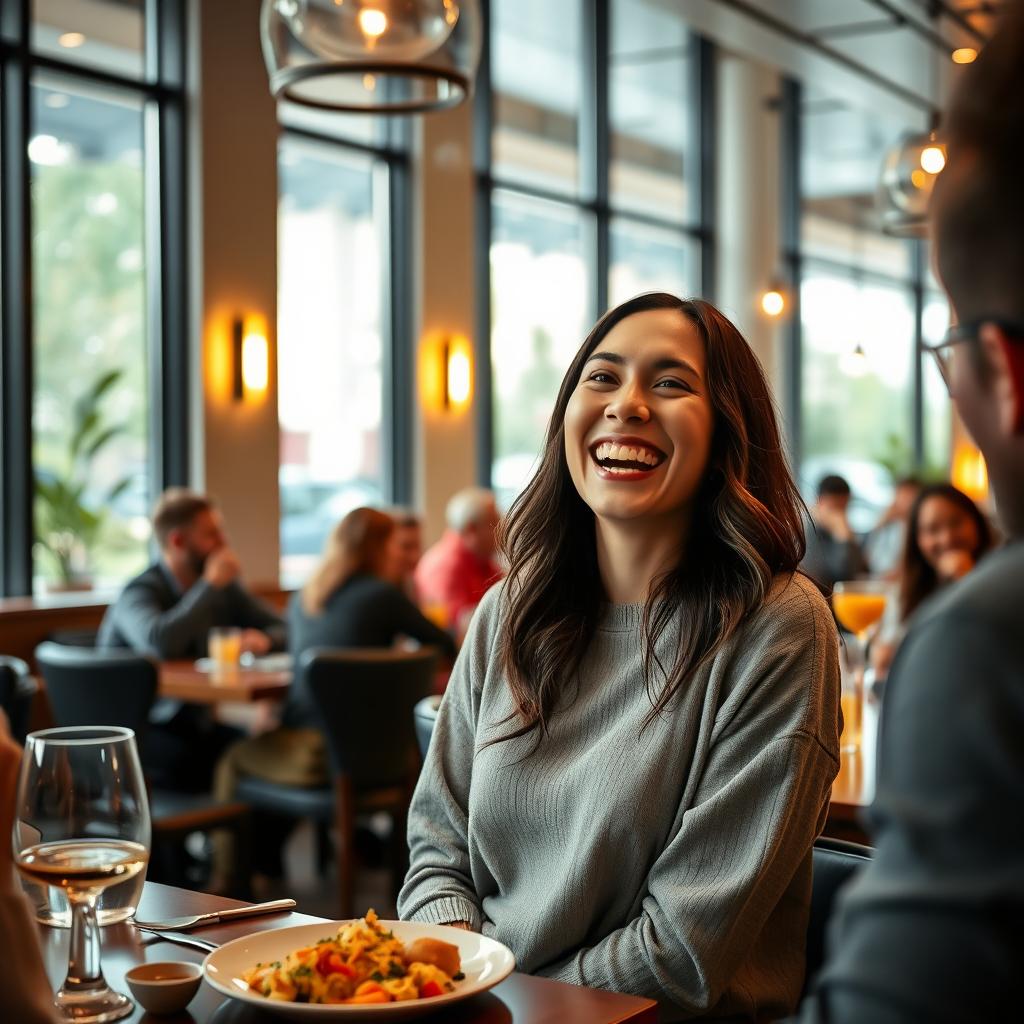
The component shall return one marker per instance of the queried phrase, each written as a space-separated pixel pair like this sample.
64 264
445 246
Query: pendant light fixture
371 56
908 177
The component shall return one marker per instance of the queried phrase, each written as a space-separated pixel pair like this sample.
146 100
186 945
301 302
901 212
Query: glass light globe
905 186
395 30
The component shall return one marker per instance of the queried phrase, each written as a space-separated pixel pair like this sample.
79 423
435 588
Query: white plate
485 962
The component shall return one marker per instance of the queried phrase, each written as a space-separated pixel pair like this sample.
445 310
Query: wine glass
859 606
82 823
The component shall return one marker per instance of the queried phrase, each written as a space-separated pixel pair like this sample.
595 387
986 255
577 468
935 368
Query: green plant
69 518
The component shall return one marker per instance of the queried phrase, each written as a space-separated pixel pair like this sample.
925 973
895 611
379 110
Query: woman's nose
628 403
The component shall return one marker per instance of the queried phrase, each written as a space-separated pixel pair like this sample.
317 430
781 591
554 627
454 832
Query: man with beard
168 611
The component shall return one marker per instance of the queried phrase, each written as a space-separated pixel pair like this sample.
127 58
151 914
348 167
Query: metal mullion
859 271
790 202
40 62
702 84
483 123
917 368
391 156
16 327
594 148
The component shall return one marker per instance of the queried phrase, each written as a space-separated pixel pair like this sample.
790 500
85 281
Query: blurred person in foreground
351 600
931 929
833 551
947 535
27 996
167 612
458 570
883 546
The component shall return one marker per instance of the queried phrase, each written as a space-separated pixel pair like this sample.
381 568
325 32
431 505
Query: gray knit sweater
673 863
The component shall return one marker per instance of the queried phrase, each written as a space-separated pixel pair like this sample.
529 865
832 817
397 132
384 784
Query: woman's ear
1005 359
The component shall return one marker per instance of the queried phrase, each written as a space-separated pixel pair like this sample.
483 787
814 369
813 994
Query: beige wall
445 443
237 451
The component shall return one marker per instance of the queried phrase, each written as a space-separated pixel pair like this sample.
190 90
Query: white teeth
608 450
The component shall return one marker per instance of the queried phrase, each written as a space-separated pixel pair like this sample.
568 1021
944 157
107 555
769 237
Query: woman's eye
672 383
600 377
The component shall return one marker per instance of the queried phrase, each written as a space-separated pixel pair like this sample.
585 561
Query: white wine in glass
82 824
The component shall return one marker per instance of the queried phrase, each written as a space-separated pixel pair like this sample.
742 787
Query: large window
870 408
94 410
337 317
592 186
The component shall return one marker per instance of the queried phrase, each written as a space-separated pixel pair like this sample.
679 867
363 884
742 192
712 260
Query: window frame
593 201
795 260
162 93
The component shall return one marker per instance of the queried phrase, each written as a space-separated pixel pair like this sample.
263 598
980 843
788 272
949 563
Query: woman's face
945 534
638 426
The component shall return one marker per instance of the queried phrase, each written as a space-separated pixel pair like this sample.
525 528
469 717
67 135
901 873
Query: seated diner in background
167 612
456 572
408 545
351 600
636 749
947 535
833 551
883 546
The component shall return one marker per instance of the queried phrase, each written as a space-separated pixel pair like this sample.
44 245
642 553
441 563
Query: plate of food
358 970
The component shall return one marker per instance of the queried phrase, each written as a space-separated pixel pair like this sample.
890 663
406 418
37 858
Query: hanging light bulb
773 302
906 183
417 54
855 363
964 55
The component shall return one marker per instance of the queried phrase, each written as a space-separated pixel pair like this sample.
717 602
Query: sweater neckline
620 618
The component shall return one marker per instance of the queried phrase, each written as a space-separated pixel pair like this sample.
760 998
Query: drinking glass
82 824
859 606
224 646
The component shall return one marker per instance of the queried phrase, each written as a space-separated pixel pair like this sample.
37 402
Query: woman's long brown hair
355 545
918 580
747 527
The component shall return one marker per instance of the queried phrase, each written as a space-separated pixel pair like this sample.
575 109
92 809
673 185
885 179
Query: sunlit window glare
48 151
71 40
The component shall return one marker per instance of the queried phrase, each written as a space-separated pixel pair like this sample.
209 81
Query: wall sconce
773 301
250 358
457 372
969 472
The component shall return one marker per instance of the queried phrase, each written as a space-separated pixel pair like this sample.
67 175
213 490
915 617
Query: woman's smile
625 458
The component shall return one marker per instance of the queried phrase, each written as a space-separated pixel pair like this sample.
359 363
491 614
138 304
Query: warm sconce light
773 301
964 55
970 473
458 372
250 359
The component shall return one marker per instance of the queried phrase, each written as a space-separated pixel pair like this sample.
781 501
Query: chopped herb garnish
458 977
302 972
277 964
376 976
396 970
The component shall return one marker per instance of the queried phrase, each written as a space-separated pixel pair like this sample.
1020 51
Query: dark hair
176 508
833 486
917 579
747 527
978 213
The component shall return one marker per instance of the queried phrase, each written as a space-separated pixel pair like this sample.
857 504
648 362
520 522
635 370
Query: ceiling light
933 159
855 363
906 183
377 56
773 302
71 40
964 55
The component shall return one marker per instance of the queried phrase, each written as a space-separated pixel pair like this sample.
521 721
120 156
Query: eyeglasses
968 331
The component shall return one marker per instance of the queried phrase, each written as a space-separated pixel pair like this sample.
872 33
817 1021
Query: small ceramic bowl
165 987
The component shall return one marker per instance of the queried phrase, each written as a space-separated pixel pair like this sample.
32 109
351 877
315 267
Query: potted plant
69 516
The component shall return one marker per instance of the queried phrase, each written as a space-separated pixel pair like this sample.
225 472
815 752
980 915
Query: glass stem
84 970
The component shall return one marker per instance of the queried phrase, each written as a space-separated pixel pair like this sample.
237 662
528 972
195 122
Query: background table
181 680
520 999
854 787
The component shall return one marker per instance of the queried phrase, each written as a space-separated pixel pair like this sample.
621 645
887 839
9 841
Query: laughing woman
636 748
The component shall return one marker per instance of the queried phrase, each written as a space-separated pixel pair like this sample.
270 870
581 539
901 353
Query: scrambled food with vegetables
362 964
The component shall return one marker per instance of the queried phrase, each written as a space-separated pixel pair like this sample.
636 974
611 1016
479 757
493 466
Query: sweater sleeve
410 621
148 629
758 807
439 886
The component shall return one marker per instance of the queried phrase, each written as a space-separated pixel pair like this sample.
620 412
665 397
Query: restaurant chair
365 698
17 688
87 686
836 862
424 716
74 637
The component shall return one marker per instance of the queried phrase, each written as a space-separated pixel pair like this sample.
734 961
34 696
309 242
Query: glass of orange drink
859 606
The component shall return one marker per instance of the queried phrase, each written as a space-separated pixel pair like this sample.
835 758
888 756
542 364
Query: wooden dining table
183 680
854 787
519 999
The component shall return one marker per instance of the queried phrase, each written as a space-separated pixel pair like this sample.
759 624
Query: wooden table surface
181 680
520 999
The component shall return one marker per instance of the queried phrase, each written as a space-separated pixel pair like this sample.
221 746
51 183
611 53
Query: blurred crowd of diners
931 535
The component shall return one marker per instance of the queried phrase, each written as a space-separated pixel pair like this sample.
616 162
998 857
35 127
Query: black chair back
835 863
425 715
366 698
74 637
90 687
17 688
